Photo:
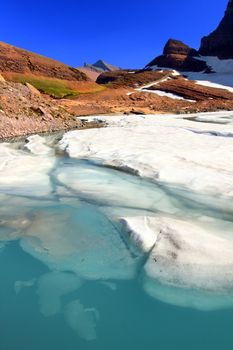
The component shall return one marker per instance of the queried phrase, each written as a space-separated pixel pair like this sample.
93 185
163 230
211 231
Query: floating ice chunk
22 173
191 257
52 286
19 285
81 320
81 240
37 145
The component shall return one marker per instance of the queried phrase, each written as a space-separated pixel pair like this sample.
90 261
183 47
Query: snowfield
221 78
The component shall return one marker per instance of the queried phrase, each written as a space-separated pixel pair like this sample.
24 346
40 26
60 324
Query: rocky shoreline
25 111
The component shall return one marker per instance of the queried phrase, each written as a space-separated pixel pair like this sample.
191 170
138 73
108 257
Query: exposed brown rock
13 59
177 55
126 78
220 42
192 91
23 113
1 78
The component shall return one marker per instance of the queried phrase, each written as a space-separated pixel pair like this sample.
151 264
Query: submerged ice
165 218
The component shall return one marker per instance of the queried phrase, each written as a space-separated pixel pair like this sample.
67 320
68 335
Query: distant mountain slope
16 60
91 74
94 70
101 66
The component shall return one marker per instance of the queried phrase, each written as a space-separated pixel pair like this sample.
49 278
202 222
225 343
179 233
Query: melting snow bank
222 78
146 88
163 149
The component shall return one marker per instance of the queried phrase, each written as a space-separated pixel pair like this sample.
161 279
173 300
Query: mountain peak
104 66
178 55
220 42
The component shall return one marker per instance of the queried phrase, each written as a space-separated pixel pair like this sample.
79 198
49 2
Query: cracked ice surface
167 222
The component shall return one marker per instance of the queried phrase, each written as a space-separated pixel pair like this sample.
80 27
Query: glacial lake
71 276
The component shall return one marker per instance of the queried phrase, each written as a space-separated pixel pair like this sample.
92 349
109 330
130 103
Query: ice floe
22 173
190 264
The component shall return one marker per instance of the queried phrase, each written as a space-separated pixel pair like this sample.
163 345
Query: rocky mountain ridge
101 66
180 56
219 44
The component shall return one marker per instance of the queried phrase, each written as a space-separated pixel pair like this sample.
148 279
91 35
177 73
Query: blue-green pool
70 279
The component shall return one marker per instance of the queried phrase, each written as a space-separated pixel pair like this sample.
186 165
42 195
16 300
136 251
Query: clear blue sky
127 33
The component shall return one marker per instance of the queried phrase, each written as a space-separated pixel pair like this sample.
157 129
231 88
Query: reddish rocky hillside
47 75
15 60
133 79
190 90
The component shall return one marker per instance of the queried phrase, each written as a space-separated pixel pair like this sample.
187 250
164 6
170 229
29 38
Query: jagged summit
101 66
220 42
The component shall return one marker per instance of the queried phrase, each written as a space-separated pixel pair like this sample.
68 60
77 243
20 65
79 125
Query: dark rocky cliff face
220 42
180 56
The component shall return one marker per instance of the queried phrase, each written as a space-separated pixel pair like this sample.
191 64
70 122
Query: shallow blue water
128 317
70 280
